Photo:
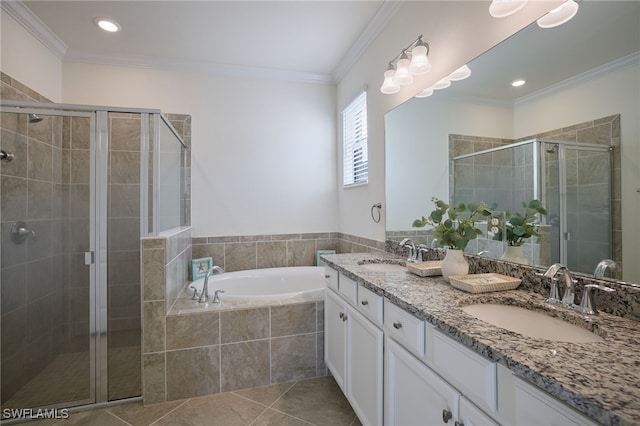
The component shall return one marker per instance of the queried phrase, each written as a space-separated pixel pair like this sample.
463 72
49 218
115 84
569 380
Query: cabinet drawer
370 304
348 288
404 328
474 375
331 275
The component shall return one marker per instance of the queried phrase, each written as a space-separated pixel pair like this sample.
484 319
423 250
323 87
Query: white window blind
354 141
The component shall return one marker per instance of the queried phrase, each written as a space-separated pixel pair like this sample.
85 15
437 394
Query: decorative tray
425 269
484 283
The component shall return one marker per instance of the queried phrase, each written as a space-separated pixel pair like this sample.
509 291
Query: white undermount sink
531 323
383 266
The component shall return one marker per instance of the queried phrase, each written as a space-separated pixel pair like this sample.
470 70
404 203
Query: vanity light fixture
517 83
504 8
107 24
411 61
559 15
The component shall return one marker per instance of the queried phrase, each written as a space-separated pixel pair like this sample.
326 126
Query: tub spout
204 294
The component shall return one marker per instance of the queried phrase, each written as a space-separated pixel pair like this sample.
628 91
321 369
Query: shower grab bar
6 156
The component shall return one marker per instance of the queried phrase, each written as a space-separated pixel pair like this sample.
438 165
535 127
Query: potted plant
454 226
516 228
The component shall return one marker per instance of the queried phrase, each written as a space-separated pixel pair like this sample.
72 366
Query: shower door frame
97 256
96 238
564 236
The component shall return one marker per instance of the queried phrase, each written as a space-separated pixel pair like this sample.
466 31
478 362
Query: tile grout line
170 411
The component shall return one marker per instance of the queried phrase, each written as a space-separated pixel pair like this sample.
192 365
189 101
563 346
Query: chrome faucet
413 253
602 267
568 298
204 294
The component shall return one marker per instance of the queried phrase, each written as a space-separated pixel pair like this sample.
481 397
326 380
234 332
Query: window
354 141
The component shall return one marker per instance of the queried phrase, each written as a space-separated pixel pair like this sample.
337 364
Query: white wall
27 60
263 152
613 93
457 32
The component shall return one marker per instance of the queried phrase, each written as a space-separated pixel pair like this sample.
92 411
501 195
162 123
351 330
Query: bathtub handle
216 298
196 295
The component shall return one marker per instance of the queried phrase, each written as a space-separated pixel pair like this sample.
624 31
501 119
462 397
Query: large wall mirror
568 137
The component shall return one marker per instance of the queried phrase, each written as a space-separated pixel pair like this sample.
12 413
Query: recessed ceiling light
107 24
559 15
518 83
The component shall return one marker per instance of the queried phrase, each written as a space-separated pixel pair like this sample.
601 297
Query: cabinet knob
364 303
397 325
457 423
341 315
446 415
327 276
344 317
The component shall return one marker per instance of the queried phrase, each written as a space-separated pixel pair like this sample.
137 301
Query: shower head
34 118
552 149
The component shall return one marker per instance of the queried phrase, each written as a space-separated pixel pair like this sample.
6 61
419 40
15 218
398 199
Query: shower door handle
89 258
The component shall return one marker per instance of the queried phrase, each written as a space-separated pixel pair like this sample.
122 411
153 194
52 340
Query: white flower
495 221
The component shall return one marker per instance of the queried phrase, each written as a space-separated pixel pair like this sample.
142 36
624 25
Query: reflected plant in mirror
454 225
517 228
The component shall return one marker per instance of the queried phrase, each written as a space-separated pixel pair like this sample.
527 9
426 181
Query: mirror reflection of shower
573 181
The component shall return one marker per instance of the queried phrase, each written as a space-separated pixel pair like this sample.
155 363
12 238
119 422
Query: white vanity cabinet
354 350
413 393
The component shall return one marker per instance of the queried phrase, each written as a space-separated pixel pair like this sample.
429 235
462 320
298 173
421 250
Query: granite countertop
601 380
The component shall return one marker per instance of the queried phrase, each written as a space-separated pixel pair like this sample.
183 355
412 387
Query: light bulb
442 84
559 15
389 86
419 61
460 74
503 8
425 93
108 25
403 76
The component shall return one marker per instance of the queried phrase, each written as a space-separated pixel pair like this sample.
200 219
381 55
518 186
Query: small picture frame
199 267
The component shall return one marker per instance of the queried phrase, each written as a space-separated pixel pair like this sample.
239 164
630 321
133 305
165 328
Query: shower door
48 205
577 193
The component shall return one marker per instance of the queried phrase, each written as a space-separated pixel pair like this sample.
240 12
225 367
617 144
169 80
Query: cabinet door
364 368
470 415
335 336
413 394
534 406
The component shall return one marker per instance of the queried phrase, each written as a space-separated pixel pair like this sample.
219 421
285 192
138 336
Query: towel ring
373 215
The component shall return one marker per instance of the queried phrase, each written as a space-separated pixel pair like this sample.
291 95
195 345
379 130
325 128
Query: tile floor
316 401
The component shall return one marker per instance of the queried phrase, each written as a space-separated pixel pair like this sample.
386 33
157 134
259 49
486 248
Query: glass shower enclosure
79 187
573 181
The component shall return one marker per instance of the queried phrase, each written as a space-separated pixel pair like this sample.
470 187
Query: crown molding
612 66
371 31
201 67
34 25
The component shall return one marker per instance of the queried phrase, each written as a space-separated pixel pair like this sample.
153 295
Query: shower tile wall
603 131
39 287
123 280
182 124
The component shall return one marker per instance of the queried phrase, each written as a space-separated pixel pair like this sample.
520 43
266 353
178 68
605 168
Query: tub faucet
568 298
602 267
204 294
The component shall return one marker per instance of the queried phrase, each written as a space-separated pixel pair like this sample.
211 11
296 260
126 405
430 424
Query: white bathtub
266 284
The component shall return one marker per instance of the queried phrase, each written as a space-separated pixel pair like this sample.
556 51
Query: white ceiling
313 40
308 40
